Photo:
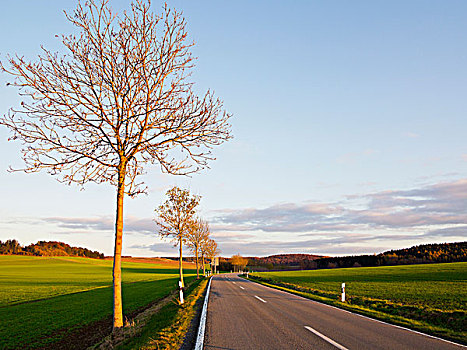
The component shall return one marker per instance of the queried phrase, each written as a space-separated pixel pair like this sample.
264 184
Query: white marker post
181 291
343 292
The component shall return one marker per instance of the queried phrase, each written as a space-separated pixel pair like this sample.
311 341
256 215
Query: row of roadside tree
177 219
115 100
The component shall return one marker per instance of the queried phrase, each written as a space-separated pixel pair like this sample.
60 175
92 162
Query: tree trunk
204 267
180 263
117 266
197 265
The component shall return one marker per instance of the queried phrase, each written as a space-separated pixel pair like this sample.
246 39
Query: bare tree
208 248
175 217
239 262
118 99
203 250
212 250
197 234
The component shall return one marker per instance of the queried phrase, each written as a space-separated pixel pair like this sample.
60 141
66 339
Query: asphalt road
246 315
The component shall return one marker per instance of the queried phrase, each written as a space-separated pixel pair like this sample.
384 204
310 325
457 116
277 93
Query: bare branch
119 94
118 99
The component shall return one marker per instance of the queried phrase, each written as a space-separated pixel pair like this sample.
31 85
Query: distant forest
284 261
43 248
272 262
420 254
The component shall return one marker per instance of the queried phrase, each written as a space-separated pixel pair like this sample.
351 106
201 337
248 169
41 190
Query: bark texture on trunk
204 267
181 264
117 265
197 265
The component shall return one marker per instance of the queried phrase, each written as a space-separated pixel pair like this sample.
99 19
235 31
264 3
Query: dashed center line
257 297
233 282
329 340
241 287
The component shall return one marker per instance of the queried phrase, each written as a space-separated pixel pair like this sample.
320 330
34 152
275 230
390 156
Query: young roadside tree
119 99
207 249
175 217
212 250
197 234
203 251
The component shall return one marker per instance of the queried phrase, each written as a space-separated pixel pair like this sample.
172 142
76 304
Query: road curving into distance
246 315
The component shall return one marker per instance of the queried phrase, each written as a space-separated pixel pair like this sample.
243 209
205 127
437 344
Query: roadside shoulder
377 316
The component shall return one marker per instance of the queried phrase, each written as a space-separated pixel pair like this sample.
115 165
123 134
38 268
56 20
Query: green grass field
430 297
44 299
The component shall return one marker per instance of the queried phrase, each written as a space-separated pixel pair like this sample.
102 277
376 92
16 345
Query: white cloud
412 135
104 223
424 214
388 219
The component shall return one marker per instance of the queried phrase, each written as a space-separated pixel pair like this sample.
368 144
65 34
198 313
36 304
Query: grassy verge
399 295
167 328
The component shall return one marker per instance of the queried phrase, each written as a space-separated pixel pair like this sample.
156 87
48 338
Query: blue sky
349 130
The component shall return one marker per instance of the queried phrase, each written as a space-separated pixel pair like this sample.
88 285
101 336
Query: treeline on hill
273 262
420 254
43 248
225 264
282 261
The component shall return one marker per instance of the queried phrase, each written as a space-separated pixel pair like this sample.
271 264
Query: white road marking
322 336
241 287
379 321
366 317
257 297
233 282
202 323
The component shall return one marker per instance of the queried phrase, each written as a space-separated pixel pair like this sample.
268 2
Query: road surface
246 315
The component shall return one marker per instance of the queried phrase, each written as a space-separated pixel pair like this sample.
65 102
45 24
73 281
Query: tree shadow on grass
43 323
157 271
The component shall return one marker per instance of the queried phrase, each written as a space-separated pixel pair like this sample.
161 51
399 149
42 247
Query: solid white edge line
202 321
257 297
369 318
329 340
